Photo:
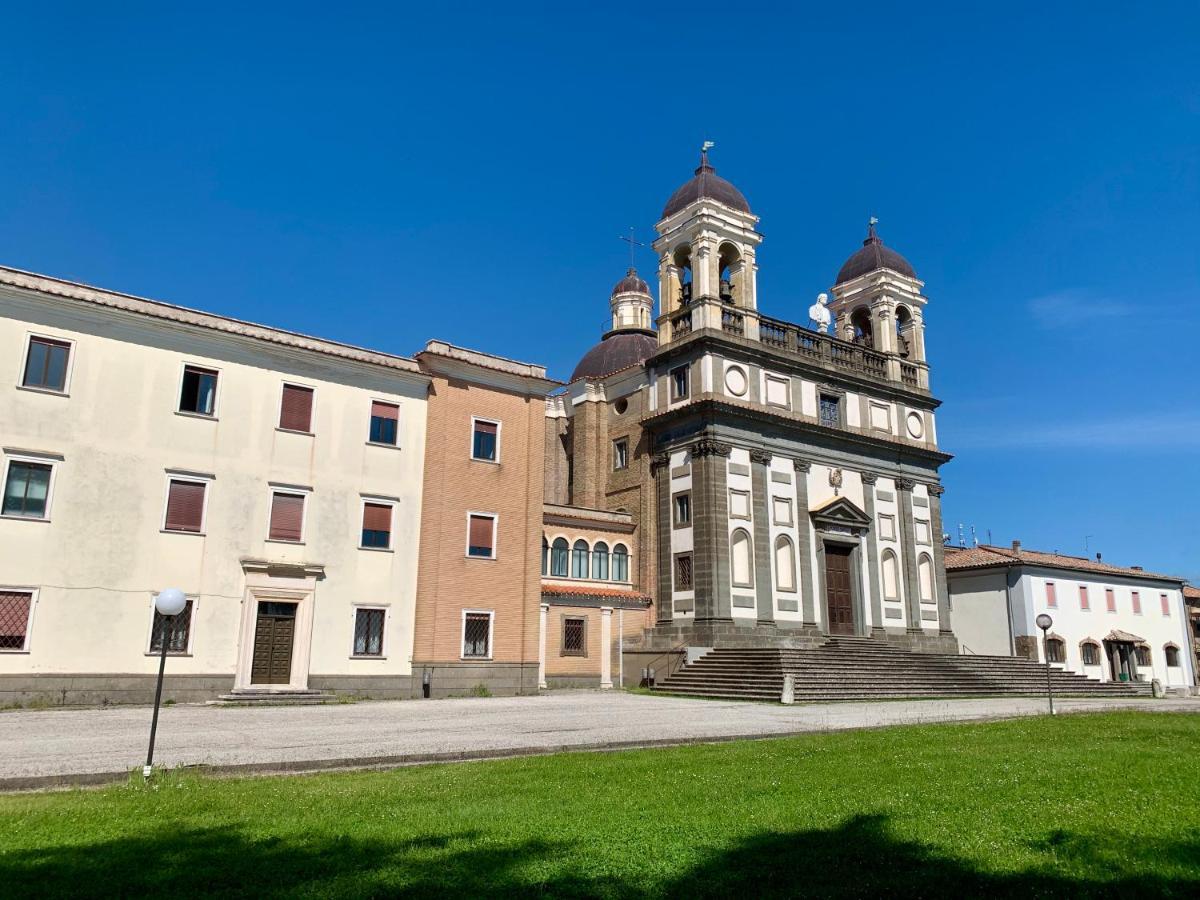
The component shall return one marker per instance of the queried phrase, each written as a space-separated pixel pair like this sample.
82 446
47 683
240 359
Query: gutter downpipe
1012 642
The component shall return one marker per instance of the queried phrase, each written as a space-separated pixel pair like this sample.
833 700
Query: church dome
619 350
706 183
632 283
871 256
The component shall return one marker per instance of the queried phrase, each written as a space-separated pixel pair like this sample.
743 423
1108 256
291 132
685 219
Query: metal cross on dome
633 243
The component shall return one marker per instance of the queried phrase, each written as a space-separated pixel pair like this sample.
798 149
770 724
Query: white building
1111 623
275 478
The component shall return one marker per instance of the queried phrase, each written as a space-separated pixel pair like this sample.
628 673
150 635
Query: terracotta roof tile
1191 593
986 556
586 591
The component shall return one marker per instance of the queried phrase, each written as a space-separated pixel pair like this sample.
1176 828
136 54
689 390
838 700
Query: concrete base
107 689
464 679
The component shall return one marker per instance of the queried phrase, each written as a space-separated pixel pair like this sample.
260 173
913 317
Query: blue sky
383 175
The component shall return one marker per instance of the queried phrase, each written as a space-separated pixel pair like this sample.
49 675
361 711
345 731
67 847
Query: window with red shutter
295 409
377 525
287 517
385 419
481 536
185 506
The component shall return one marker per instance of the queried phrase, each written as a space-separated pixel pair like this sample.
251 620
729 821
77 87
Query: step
272 698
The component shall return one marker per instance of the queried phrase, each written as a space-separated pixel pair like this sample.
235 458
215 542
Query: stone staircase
856 668
253 697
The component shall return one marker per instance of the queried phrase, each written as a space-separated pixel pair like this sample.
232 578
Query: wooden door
838 599
273 635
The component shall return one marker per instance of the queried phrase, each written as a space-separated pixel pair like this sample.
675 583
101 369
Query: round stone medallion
735 381
916 426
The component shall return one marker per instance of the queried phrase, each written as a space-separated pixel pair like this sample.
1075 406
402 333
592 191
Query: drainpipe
1012 641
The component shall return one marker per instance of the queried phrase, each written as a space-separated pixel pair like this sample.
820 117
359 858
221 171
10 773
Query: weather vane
706 146
632 242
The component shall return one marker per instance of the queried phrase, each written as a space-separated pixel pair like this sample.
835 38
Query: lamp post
1044 622
168 603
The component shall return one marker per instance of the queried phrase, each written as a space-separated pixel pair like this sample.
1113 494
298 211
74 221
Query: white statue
818 314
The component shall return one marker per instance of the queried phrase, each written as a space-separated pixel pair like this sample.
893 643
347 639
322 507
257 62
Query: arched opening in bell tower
682 259
729 261
904 326
860 321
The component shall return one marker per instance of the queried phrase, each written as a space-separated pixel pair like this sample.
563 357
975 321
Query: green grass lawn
1078 805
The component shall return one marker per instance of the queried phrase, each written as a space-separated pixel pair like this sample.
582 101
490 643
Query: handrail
829 349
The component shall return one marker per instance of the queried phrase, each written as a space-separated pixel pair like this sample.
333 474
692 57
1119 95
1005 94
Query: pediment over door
839 515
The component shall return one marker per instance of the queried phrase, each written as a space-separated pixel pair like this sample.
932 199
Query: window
1136 597
545 556
1091 654
179 631
925 578
1051 595
620 563
1143 655
683 572
620 453
368 631
385 419
574 636
683 510
579 559
891 580
27 489
831 410
742 558
46 364
485 440
295 408
1085 602
600 561
199 393
15 609
287 517
679 383
377 525
1172 654
558 558
785 564
1110 599
477 635
481 535
1056 651
1165 603
185 506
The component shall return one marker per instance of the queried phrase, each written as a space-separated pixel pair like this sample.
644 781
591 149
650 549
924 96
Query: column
908 554
542 645
939 558
660 469
710 530
606 647
869 479
764 584
804 542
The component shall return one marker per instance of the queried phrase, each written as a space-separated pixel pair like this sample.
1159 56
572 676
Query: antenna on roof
962 541
990 544
974 539
1086 540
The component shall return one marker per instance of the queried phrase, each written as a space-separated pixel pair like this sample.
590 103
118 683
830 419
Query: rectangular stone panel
929 615
787 605
738 469
893 614
743 602
681 471
885 496
781 477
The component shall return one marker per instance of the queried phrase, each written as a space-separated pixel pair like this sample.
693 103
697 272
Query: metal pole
1049 688
162 665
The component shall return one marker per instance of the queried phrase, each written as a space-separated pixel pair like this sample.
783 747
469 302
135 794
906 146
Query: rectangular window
15 607
199 392
1091 654
1056 651
831 410
27 489
179 631
574 636
1051 595
1110 599
368 632
185 506
1166 604
1085 602
46 364
1137 602
1143 655
477 635
377 525
683 572
295 409
683 510
481 535
485 441
287 516
679 383
385 420
620 454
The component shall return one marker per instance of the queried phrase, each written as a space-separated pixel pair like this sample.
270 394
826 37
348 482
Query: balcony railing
681 325
733 322
834 352
909 375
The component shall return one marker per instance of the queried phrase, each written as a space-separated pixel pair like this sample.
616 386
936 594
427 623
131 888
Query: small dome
631 284
706 183
619 350
871 256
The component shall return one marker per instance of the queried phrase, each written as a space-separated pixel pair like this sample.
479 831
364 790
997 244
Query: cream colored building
274 478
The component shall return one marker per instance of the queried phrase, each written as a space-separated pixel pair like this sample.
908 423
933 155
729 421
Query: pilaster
868 480
804 542
908 554
760 484
660 470
606 647
710 530
939 558
545 611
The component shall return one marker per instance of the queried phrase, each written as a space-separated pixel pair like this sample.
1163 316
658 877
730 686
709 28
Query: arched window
545 555
785 564
904 321
558 558
741 556
620 563
1090 653
891 578
860 321
729 262
925 576
1143 654
579 559
1056 650
682 258
600 561
1172 654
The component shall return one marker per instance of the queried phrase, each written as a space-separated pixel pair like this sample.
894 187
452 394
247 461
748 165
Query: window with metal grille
295 408
14 619
287 517
198 394
1091 654
385 419
46 364
574 637
485 441
185 506
679 383
620 454
831 410
368 632
377 525
579 559
1143 655
1056 650
683 510
477 634
179 631
481 536
683 572
27 489
1172 654
620 563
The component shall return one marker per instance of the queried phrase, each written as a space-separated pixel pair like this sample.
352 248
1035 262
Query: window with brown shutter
185 506
385 418
287 516
485 441
14 619
295 409
481 536
377 525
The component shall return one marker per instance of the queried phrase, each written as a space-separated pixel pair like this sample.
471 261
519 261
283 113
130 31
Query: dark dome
874 255
631 283
619 350
706 183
